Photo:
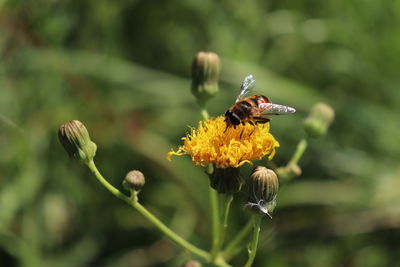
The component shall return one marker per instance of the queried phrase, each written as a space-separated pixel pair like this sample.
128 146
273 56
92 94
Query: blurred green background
123 68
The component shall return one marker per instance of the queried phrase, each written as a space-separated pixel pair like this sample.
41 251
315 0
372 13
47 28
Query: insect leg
226 128
254 127
261 120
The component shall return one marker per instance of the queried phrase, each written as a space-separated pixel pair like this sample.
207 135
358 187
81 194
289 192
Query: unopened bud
205 74
75 139
192 263
134 181
263 188
319 119
226 180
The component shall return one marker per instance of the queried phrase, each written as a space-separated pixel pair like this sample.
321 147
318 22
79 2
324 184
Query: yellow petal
212 143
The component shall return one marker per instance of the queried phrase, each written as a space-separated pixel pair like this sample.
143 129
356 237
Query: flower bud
192 263
263 188
319 119
75 139
205 73
134 181
226 180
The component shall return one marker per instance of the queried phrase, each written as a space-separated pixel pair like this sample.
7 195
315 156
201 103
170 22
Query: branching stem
132 201
236 244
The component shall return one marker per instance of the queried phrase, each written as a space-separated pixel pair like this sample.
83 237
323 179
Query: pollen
213 143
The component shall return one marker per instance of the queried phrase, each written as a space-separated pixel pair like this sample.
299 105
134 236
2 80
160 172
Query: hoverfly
253 109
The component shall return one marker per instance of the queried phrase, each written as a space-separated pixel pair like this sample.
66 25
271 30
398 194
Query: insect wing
247 85
268 109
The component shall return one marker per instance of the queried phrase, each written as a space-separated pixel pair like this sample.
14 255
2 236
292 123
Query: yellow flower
210 143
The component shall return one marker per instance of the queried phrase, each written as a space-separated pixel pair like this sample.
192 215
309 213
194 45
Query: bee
253 109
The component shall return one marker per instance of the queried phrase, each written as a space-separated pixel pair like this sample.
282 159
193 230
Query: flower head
213 143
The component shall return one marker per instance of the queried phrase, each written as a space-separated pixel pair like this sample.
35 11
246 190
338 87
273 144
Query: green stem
254 242
106 184
226 201
301 147
169 233
215 225
235 245
227 205
132 201
204 113
292 169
